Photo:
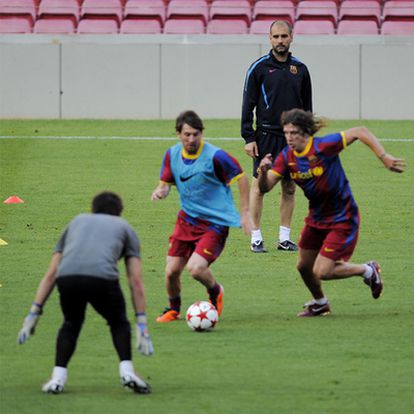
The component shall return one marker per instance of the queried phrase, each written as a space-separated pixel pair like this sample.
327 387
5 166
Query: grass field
260 358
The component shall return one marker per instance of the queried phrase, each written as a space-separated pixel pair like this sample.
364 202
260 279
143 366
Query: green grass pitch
261 358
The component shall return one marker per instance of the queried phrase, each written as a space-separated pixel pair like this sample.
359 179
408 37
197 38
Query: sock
175 303
60 373
256 236
126 367
321 301
368 272
284 233
214 292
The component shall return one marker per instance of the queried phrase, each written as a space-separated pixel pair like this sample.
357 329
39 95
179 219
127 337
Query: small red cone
13 200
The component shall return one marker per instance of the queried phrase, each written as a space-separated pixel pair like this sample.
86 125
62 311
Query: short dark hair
306 121
107 202
281 23
189 118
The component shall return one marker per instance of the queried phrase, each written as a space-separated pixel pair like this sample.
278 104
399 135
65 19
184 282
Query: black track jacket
273 87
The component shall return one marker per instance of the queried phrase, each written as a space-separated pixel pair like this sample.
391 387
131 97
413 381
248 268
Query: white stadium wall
155 77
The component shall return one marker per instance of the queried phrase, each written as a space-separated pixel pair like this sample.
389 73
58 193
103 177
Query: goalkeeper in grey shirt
84 268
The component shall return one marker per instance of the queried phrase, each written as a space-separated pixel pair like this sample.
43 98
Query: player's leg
338 246
208 249
319 305
107 299
310 242
73 304
287 205
370 272
256 209
199 270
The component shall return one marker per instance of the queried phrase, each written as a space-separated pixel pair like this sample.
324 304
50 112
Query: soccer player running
84 268
331 227
202 174
274 83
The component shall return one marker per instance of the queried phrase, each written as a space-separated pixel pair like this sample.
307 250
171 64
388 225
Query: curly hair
107 202
306 121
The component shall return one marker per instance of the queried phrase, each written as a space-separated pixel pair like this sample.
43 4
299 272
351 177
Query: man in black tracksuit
274 83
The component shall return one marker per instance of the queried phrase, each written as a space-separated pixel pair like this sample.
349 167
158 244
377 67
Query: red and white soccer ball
202 316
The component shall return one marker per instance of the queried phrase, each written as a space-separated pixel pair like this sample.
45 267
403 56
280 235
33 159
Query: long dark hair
306 121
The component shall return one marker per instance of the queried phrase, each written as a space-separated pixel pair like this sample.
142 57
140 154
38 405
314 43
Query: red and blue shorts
199 236
336 242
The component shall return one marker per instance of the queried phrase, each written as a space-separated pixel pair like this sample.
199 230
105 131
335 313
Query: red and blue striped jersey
319 172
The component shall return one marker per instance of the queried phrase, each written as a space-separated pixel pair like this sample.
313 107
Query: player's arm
250 98
243 184
43 291
161 191
266 178
369 139
136 285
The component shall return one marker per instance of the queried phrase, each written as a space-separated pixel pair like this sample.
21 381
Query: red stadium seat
317 10
141 26
398 28
15 24
260 27
184 26
360 10
234 9
97 9
274 10
357 27
227 26
23 9
314 27
68 8
398 10
184 9
58 25
98 26
145 9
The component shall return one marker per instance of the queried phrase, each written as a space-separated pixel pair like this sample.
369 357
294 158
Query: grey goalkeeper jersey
92 244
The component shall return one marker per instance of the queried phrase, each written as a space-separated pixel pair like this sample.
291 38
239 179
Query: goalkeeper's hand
29 323
144 343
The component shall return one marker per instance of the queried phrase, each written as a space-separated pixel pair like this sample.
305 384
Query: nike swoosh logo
183 179
271 70
207 252
327 249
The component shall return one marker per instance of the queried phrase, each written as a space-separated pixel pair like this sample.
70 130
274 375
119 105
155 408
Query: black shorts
104 295
267 143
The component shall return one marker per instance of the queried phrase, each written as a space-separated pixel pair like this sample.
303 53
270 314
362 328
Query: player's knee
195 270
289 190
303 268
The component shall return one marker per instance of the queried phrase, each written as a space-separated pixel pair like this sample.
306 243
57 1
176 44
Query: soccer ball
201 316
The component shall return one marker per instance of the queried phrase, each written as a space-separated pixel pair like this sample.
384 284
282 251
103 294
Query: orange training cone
13 200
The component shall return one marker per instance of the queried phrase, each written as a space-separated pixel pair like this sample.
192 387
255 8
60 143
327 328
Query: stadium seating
360 10
102 9
227 26
317 10
184 26
57 16
145 9
15 24
357 27
397 10
184 9
231 10
140 26
100 17
398 28
314 27
274 10
216 16
260 27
